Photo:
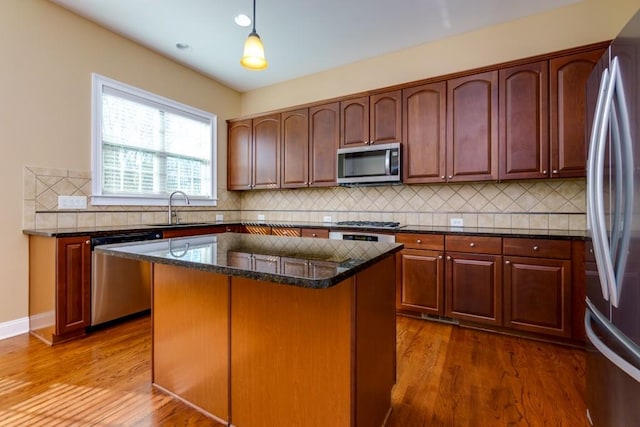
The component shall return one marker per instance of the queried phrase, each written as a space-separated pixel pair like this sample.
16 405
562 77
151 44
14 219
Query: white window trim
97 198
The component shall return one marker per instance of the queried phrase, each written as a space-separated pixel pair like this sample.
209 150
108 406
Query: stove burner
371 224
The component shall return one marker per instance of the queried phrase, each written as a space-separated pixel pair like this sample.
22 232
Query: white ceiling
301 37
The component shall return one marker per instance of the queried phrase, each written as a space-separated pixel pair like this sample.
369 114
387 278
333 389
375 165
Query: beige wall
48 55
585 22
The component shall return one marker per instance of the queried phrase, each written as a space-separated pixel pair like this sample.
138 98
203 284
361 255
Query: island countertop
303 262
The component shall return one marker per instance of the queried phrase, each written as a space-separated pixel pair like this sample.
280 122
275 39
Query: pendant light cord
254 16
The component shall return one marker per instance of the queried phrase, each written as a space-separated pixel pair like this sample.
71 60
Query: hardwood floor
447 376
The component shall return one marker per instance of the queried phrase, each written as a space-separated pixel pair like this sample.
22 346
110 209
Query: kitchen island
265 330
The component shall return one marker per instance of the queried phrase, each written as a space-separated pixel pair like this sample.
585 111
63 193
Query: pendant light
253 56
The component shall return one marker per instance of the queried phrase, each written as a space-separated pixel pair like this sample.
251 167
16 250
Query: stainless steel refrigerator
612 319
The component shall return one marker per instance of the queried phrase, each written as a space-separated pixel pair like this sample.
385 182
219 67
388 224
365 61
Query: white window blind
146 146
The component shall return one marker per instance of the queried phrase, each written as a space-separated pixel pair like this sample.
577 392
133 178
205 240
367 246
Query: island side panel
375 342
191 336
291 354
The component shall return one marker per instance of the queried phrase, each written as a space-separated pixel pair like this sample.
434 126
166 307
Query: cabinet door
295 148
537 295
524 121
423 137
239 155
472 127
473 287
420 284
568 77
324 139
354 122
266 151
385 121
73 289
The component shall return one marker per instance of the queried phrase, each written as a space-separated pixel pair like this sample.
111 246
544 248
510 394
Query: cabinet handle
314 235
535 248
443 177
555 171
86 242
544 172
507 262
450 176
449 257
472 244
418 241
439 256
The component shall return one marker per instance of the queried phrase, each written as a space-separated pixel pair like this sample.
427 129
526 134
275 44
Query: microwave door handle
387 162
591 180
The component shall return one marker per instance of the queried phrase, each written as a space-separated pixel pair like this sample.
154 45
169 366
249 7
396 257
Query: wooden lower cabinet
420 281
473 287
320 233
537 295
59 287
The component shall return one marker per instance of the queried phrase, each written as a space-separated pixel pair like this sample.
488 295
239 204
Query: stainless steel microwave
377 163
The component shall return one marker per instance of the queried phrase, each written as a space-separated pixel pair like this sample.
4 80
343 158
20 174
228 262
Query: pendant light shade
253 56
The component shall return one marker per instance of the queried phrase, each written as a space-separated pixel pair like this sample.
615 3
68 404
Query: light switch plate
219 217
260 217
72 202
326 218
457 222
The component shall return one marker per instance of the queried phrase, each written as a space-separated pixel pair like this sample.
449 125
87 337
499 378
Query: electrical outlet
326 218
219 217
260 217
72 202
457 222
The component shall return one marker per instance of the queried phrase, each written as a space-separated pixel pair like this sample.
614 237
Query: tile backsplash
549 204
42 186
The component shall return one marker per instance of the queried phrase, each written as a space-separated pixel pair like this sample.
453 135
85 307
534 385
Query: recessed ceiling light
242 20
182 46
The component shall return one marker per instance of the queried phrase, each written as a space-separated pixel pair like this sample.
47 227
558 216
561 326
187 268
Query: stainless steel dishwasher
119 286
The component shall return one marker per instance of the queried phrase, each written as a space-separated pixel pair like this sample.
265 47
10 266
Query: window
146 146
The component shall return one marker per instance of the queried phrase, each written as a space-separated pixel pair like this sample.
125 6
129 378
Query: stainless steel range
371 235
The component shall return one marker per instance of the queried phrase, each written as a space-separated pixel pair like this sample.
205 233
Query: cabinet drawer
474 244
540 248
421 241
320 233
285 231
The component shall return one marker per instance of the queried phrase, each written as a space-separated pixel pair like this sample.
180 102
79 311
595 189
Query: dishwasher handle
124 238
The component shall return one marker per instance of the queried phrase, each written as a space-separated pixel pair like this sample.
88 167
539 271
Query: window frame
99 82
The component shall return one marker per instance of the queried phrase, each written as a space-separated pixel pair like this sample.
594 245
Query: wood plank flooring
447 376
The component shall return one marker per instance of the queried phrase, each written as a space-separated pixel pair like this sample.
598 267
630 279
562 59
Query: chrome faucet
171 213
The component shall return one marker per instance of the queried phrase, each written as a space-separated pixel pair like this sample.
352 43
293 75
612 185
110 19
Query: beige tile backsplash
550 204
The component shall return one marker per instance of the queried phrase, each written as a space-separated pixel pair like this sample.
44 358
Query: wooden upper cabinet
295 148
568 77
266 151
239 155
354 119
524 121
385 123
369 120
324 139
472 127
423 133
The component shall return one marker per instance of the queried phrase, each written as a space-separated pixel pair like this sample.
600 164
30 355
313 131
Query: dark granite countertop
486 231
304 262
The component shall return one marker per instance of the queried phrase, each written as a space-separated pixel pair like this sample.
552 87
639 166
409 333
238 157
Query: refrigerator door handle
607 352
592 193
602 247
624 184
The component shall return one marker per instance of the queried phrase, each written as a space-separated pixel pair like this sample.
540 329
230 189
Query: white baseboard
14 327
